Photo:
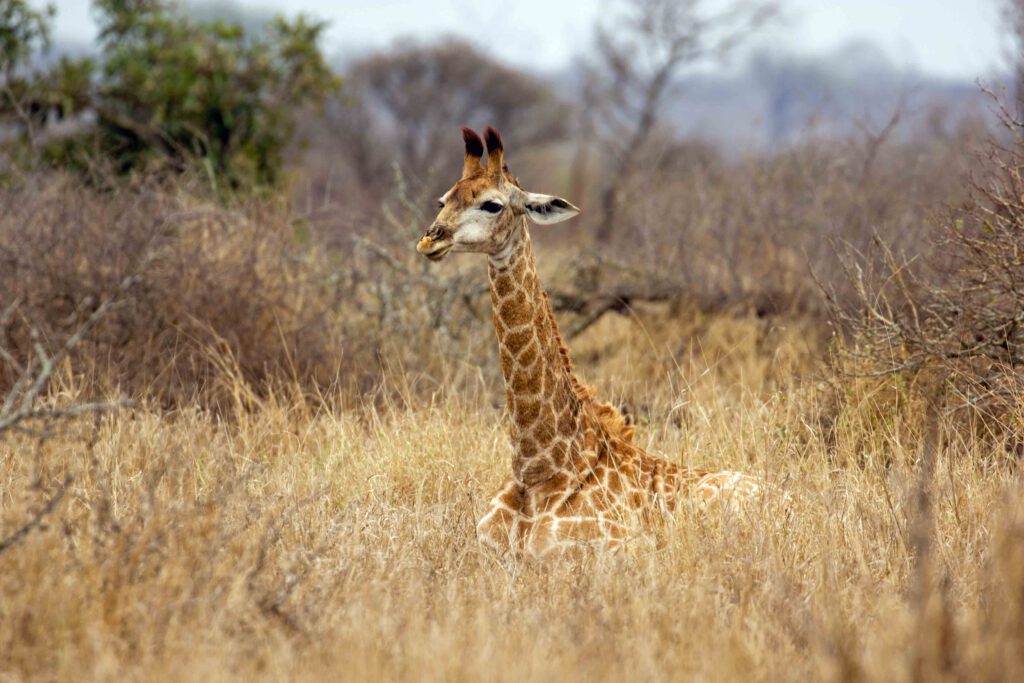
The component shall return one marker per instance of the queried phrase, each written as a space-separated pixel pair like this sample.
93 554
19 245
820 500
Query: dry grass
290 542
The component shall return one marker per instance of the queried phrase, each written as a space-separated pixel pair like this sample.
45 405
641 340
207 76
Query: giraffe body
577 477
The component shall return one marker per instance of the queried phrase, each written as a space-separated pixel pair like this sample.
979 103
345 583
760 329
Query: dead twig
37 519
19 405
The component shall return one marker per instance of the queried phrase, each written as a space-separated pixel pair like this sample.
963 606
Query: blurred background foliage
263 202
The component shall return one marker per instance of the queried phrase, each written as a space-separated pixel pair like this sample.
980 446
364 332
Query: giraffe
577 476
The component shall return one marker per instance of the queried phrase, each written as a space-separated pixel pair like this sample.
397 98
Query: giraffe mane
609 418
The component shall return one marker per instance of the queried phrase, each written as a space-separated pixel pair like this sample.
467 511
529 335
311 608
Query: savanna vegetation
246 431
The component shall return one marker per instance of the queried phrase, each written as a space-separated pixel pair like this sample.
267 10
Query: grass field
293 540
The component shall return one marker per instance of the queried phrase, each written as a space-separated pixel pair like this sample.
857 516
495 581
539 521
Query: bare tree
415 96
640 51
955 316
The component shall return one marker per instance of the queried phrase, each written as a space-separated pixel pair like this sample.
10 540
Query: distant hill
777 98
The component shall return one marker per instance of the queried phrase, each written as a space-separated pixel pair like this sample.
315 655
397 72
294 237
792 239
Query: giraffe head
481 212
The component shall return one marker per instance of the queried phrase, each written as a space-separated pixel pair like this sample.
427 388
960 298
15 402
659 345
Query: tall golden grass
289 540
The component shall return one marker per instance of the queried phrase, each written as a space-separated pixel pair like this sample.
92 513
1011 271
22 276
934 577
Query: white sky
954 38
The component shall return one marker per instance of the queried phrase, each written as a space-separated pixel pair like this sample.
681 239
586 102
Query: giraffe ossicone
577 476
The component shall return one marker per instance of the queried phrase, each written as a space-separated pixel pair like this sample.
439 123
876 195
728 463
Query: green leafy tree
23 31
167 92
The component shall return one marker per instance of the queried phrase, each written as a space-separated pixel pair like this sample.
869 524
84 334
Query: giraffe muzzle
435 245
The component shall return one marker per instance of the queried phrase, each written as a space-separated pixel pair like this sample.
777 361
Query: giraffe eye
491 207
440 203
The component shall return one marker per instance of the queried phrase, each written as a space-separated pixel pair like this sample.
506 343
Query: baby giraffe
577 477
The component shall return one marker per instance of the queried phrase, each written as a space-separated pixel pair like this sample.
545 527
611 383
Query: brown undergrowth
294 541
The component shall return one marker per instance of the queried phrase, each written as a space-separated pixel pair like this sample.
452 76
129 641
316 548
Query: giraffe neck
539 386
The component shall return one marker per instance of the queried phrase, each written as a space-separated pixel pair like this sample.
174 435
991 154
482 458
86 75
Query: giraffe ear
545 209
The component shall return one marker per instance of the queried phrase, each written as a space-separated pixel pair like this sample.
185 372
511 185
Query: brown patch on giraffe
517 341
536 470
557 484
526 411
507 362
559 452
529 356
503 286
513 497
527 448
500 528
515 266
551 376
565 422
514 313
573 504
503 518
706 493
544 431
524 382
587 461
540 321
614 530
613 481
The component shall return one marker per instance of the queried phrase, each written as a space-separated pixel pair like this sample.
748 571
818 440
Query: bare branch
19 405
651 42
37 519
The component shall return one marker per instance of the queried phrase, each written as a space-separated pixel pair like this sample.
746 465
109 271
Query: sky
961 39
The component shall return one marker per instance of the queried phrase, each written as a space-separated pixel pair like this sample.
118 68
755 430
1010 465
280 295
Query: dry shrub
196 288
755 233
948 326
